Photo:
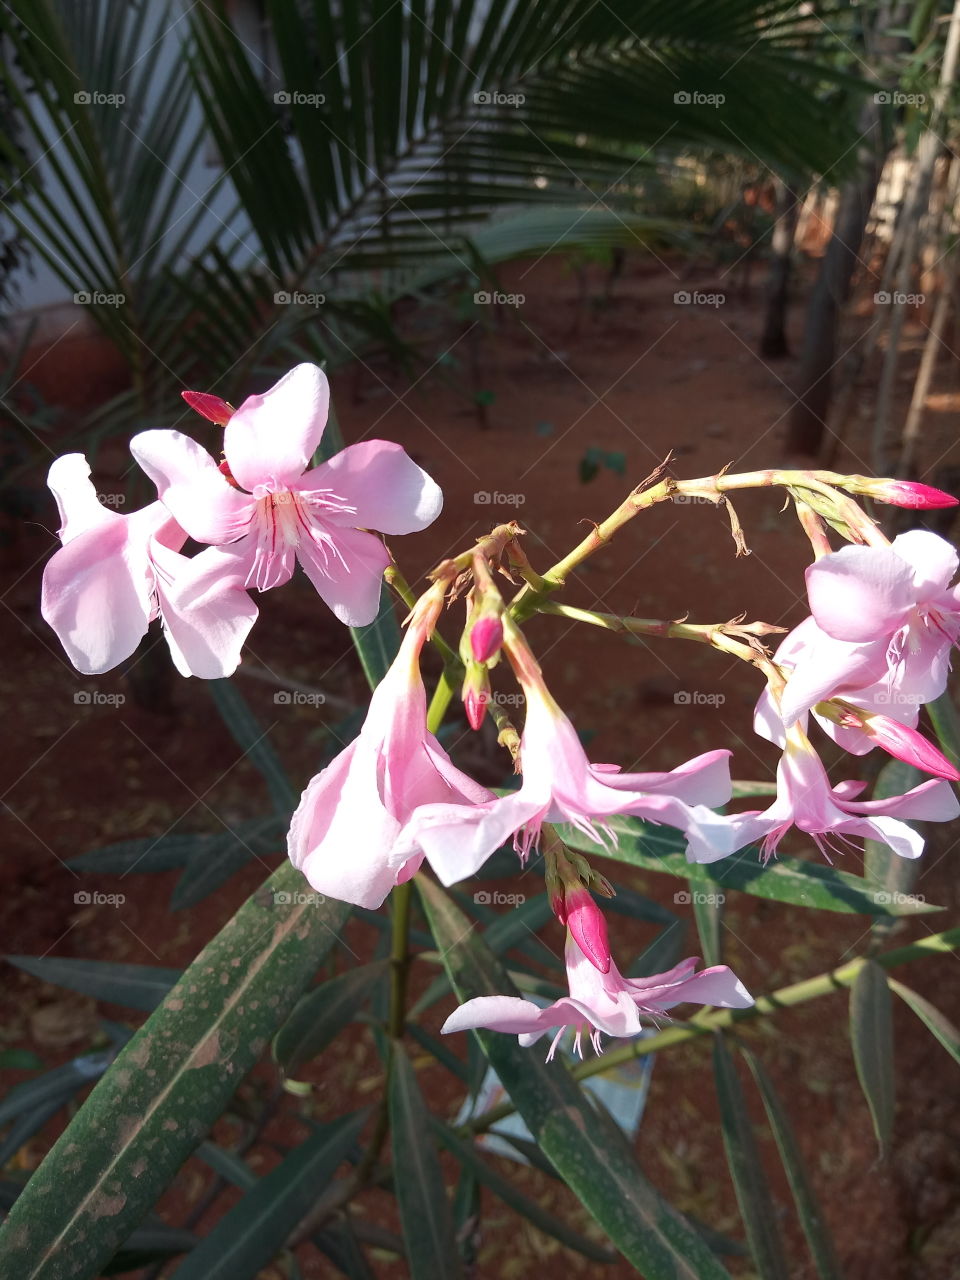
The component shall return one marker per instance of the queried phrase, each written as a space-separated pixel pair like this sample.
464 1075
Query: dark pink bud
908 745
211 407
475 705
486 637
585 921
906 493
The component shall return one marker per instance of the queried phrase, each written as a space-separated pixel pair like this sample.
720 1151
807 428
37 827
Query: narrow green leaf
746 1170
435 1046
253 742
149 1244
19 1060
808 1209
377 644
791 880
892 877
251 1235
946 725
871 1033
168 1085
323 1013
150 853
137 986
587 1149
424 1208
931 1017
26 1125
707 911
468 1155
57 1085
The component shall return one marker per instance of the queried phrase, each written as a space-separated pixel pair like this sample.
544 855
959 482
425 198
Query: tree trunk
808 418
915 208
807 423
773 339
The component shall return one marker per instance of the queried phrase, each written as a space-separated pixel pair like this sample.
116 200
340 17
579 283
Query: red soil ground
640 377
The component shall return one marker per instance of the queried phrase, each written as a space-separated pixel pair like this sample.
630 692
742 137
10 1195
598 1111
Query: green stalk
721 1019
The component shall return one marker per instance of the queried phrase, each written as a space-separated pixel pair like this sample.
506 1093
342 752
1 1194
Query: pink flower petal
387 489
98 596
933 561
340 832
206 613
191 487
273 436
459 840
931 801
717 986
348 575
80 508
703 780
498 1013
861 593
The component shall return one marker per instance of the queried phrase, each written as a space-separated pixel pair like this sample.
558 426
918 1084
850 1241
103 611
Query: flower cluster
260 511
883 620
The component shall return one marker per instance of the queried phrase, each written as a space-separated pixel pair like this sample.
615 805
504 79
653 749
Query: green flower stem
717 635
660 487
721 1019
403 589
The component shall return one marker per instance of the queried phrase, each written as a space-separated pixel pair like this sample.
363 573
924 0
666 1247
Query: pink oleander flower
884 620
601 1002
561 785
831 815
115 574
347 835
271 509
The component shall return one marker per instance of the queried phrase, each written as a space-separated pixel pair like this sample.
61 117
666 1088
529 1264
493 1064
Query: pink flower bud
585 921
906 744
475 705
211 407
486 637
904 493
